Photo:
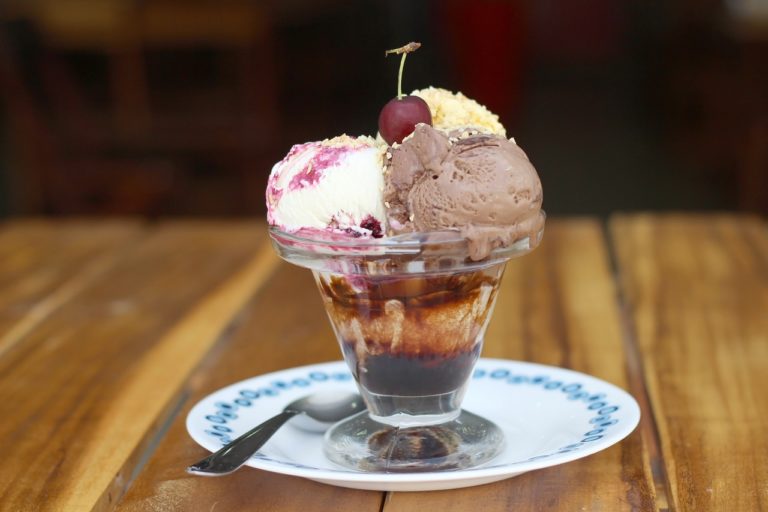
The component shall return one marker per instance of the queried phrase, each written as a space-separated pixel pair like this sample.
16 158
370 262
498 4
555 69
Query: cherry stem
404 51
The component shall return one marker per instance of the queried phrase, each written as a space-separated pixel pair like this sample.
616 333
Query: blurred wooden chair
62 165
717 69
229 125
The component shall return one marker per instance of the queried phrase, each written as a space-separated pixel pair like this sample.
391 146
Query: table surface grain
110 330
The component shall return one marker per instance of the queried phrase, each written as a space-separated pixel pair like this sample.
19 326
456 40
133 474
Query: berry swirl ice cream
331 186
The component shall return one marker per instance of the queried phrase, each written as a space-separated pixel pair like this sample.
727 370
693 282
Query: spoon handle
236 453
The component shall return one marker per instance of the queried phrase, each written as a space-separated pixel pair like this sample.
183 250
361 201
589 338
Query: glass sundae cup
409 312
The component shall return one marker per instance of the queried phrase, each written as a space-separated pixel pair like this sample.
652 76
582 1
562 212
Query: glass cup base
364 444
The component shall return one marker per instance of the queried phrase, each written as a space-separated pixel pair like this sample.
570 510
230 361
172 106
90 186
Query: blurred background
180 107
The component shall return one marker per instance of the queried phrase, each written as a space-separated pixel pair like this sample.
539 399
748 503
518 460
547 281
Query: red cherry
400 116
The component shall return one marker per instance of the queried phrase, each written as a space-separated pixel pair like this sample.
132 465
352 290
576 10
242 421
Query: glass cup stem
410 411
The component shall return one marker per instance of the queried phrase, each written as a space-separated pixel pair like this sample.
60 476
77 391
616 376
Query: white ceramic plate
549 416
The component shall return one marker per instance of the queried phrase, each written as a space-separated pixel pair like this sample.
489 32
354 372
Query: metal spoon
320 411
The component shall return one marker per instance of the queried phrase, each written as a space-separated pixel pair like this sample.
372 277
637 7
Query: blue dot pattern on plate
573 391
226 411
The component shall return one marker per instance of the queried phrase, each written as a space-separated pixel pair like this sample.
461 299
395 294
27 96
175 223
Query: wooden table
111 330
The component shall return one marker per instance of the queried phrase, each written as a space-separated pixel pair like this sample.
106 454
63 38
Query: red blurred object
487 40
582 32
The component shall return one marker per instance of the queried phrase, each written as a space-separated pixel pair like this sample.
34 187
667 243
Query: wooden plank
43 264
697 291
83 394
558 306
284 326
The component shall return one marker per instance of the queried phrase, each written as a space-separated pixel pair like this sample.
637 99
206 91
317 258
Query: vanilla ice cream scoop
335 185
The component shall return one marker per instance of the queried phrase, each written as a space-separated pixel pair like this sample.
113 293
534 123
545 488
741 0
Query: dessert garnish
401 114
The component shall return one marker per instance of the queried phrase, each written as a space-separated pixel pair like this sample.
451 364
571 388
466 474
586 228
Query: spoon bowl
315 413
323 409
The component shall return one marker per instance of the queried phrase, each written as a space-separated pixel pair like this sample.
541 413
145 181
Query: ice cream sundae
407 235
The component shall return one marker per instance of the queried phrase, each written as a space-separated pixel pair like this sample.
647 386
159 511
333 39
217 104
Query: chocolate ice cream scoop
480 184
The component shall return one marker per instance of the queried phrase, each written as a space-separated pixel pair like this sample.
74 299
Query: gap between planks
385 497
638 386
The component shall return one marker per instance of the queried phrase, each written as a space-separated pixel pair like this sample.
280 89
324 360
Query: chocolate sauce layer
403 375
411 336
